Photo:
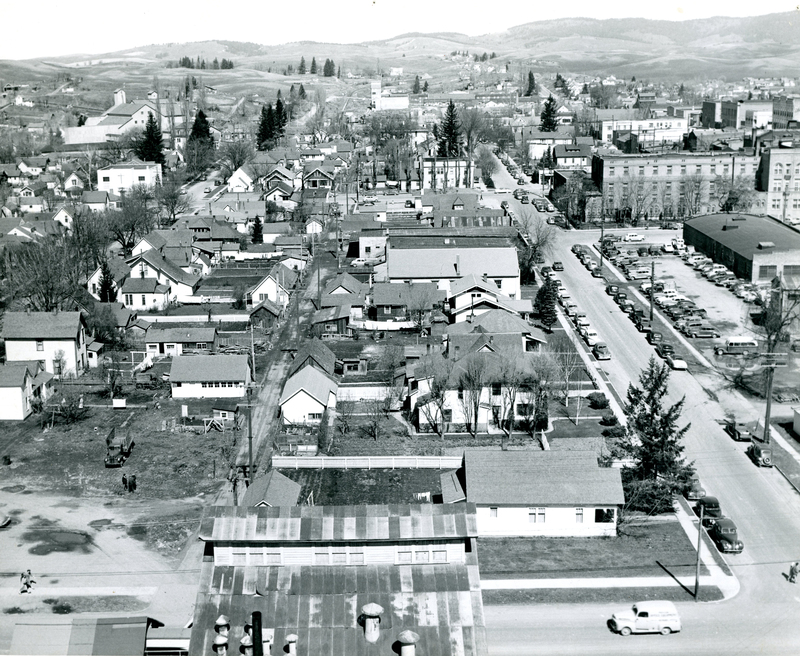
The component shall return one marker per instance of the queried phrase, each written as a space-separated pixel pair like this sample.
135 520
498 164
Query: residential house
119 272
276 286
65 216
209 376
442 173
315 354
144 294
472 296
57 340
306 395
569 156
74 185
344 283
404 302
331 322
538 142
317 176
152 264
272 490
96 201
167 342
31 204
271 231
22 385
265 314
242 179
122 177
538 493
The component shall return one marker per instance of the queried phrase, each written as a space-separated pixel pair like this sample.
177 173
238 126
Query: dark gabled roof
314 382
143 286
322 356
402 294
308 524
347 281
498 322
273 489
41 325
333 313
540 478
168 268
267 306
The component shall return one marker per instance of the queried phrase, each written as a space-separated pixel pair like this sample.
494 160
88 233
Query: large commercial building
785 109
756 248
672 184
734 112
663 129
779 176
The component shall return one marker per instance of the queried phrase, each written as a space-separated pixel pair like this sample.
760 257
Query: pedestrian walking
125 482
793 570
29 578
25 585
132 483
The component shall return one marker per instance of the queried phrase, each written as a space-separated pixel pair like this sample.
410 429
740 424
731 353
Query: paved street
762 617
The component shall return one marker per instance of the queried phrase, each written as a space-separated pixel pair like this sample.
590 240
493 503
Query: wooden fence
367 462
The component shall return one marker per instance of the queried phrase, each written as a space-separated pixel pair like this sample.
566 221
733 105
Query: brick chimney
408 643
372 622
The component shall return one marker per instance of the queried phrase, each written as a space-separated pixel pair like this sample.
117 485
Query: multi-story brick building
670 185
784 110
779 176
734 112
663 129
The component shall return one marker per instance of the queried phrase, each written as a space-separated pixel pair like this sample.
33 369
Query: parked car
668 249
711 510
601 352
694 489
612 290
760 454
676 363
546 271
619 297
591 337
576 248
597 272
633 236
647 617
654 337
725 536
558 266
591 264
664 349
644 325
739 431
706 332
524 200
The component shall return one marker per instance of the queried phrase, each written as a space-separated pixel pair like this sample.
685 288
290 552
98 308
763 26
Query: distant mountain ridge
716 47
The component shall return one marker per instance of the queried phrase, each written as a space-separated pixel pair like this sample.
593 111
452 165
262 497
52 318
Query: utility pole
602 222
253 350
652 287
697 565
250 472
768 413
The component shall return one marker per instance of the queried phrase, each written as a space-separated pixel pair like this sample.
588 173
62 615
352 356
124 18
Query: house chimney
291 643
408 643
458 264
485 278
372 622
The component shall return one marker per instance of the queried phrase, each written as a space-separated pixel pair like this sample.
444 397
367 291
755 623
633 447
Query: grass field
623 596
636 553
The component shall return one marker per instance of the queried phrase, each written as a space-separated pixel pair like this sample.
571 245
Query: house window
354 367
610 170
604 515
403 556
496 389
339 558
216 384
698 169
531 515
655 170
177 384
492 512
315 415
461 395
498 282
421 556
625 170
447 415
367 250
669 170
641 170
683 169
439 556
524 409
144 300
141 178
202 345
39 345
540 515
579 515
357 558
321 558
272 558
105 179
56 368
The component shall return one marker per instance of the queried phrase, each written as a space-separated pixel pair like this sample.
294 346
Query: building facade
785 109
779 177
670 185
663 129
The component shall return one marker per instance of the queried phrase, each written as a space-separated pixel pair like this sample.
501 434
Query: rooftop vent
408 643
372 622
764 245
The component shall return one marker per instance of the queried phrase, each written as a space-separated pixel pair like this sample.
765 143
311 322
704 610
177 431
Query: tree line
328 68
188 62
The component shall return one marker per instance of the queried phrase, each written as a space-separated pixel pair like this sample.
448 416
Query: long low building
755 248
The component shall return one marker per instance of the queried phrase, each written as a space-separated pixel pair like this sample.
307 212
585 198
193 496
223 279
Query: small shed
271 491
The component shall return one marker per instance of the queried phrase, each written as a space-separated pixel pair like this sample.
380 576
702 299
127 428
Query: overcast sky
46 28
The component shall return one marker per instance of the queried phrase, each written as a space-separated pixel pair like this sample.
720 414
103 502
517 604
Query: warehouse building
756 248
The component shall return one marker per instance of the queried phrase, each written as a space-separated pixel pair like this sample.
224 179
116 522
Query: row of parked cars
722 530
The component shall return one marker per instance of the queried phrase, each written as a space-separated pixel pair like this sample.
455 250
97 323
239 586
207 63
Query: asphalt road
762 618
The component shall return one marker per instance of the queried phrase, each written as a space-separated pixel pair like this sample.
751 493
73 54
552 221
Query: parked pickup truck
118 448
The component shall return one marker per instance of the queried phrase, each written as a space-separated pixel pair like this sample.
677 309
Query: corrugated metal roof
743 232
347 523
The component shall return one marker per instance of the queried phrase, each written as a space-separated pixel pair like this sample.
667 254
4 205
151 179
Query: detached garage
209 376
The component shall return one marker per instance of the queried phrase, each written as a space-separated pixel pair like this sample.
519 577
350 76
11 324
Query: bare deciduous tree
566 359
171 200
234 154
473 125
435 372
471 383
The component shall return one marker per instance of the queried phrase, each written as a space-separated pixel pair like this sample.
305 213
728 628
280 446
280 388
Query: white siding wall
430 553
26 350
197 391
13 404
297 409
558 522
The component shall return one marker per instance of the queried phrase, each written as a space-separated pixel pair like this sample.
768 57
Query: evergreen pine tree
449 133
531 84
416 88
215 64
292 93
200 128
302 69
106 292
149 147
281 118
549 121
425 87
266 128
545 304
339 72
258 231
301 93
313 69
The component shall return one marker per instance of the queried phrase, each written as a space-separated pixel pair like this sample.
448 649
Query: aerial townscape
435 345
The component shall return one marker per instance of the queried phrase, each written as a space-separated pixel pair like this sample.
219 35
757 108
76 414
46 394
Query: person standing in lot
793 569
